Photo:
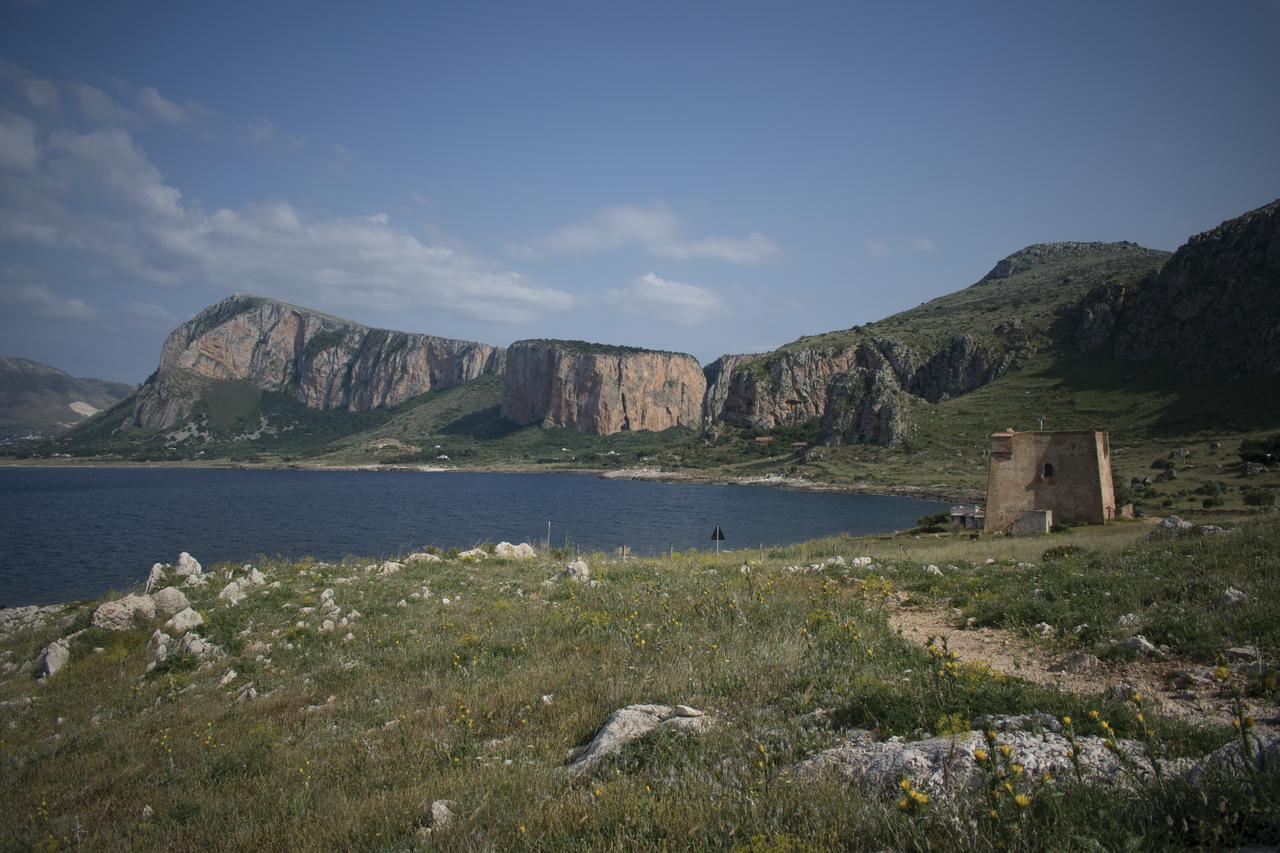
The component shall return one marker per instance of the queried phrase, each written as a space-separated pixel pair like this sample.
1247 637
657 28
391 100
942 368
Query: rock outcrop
718 373
601 389
325 362
867 406
1212 307
632 723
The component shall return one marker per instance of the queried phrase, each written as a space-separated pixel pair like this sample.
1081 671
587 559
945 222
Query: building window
1048 470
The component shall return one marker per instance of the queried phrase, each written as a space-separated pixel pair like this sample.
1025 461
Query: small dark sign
717 534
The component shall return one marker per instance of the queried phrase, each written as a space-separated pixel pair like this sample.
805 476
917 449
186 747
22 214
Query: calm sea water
70 533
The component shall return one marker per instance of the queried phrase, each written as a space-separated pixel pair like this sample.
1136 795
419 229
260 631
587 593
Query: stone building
1059 476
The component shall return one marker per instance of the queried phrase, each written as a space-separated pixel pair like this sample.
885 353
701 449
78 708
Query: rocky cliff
39 400
325 362
1213 308
601 389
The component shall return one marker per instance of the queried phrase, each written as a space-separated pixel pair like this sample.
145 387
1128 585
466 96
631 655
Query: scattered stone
118 615
53 658
577 571
1121 692
232 594
507 551
473 554
390 567
326 626
148 812
1247 654
1166 475
1171 525
348 637
255 578
548 698
1141 645
1130 620
931 569
438 818
169 601
1252 469
1077 663
422 557
155 576
183 621
227 677
1044 629
1192 676
198 647
631 723
1232 596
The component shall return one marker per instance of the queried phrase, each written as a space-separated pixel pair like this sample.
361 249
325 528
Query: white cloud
655 228
97 193
18 148
877 248
36 300
651 295
263 132
39 91
612 228
757 248
923 244
158 106
100 107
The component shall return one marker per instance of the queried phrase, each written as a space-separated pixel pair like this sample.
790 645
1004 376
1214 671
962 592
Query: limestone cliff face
794 385
718 374
1214 307
600 390
323 361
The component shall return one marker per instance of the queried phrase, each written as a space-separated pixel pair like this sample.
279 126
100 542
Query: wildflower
904 804
1066 721
1017 769
1007 787
1221 673
521 829
904 785
1006 750
994 814
1022 800
920 797
979 755
1093 715
1137 697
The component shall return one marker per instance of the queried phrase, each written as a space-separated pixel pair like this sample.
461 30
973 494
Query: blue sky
708 178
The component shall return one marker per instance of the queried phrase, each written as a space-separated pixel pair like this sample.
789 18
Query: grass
445 701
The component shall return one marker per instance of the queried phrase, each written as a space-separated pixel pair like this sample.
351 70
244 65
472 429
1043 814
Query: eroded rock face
1213 305
323 361
718 374
601 390
865 406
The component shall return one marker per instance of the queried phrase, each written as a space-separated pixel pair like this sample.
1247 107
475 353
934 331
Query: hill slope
39 400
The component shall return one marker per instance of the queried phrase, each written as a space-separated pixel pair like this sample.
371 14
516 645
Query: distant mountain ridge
37 399
249 370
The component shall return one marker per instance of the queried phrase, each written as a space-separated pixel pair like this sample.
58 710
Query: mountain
1163 350
245 345
39 400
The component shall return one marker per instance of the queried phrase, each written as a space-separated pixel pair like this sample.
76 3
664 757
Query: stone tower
1067 473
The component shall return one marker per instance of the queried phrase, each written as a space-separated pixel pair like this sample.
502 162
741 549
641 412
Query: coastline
644 473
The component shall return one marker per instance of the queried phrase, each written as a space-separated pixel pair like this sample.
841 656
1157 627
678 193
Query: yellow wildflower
1022 800
979 755
1066 721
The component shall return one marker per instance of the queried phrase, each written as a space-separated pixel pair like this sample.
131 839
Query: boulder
944 767
254 578
183 621
1232 596
577 571
169 601
422 557
1171 526
507 551
1130 620
1142 646
155 576
118 615
1252 469
1166 475
631 723
473 554
232 594
53 658
188 565
390 567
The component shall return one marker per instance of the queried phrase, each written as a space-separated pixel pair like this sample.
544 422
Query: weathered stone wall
1068 473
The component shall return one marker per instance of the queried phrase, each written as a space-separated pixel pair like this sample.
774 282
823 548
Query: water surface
71 533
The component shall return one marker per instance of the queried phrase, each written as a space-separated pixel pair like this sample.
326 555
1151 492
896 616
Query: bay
74 533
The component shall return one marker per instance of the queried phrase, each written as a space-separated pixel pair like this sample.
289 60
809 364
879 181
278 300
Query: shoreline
940 493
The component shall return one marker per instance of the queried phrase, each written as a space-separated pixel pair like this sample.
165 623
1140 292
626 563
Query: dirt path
1011 654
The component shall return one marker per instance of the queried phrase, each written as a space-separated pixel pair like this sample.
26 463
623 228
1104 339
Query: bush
1261 450
1210 503
1061 552
1259 497
1162 464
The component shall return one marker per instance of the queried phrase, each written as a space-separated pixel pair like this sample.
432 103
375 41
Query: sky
701 177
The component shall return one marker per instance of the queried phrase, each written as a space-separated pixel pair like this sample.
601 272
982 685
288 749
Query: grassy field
469 681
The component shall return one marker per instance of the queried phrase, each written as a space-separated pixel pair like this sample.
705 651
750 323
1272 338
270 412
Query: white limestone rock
422 557
507 551
577 571
53 658
188 565
473 554
631 723
232 594
183 621
119 615
155 577
169 601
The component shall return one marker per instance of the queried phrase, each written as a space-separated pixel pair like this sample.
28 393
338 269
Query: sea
68 534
